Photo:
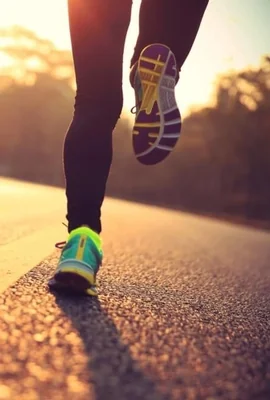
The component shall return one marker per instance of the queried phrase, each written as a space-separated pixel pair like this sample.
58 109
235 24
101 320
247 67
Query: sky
234 34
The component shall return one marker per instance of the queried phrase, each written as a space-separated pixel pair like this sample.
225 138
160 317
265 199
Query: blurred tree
35 106
242 122
31 55
222 161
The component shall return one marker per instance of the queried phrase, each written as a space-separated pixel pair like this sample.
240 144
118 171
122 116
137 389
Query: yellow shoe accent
86 231
91 291
81 248
152 61
147 125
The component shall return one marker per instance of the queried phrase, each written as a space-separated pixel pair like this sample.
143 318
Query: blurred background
221 165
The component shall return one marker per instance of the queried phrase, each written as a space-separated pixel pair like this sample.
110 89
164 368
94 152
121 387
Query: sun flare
230 37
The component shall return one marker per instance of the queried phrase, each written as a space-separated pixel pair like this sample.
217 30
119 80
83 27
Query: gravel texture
183 313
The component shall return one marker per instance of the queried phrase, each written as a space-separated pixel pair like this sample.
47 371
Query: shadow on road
113 372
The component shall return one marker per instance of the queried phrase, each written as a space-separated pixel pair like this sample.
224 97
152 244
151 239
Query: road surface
183 310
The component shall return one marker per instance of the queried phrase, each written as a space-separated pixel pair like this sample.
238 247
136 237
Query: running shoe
158 121
79 263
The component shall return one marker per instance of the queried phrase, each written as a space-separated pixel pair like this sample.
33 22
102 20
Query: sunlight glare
230 37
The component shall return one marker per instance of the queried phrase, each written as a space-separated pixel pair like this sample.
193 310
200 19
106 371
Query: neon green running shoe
79 263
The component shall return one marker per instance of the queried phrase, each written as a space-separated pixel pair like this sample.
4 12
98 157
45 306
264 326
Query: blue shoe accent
79 263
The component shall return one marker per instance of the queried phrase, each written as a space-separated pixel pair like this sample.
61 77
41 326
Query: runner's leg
98 30
174 23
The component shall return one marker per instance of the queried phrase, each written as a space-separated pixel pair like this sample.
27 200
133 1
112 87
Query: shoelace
134 109
61 245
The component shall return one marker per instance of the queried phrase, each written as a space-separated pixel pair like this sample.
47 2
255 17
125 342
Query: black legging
98 31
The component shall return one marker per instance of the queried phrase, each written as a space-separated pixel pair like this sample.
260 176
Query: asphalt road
183 313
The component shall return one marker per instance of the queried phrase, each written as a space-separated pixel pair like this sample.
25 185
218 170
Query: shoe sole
158 122
74 279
